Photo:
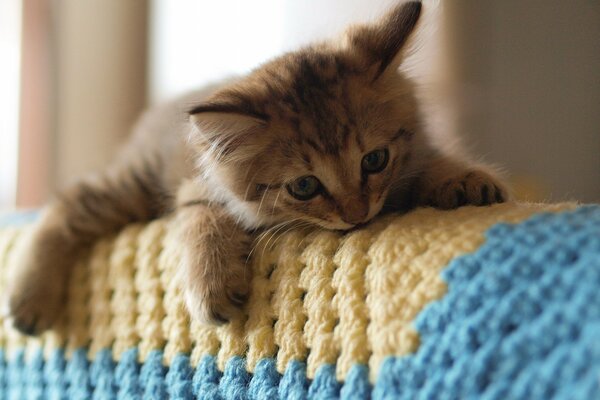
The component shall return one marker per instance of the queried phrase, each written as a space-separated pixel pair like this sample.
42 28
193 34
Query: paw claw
221 300
474 188
485 195
219 319
239 298
25 328
499 197
461 198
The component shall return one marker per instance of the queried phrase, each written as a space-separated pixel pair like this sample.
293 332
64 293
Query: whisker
264 234
245 198
262 199
275 202
274 234
279 236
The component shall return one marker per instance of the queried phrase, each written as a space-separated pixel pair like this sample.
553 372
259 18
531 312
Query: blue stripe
78 376
152 377
400 378
103 378
266 380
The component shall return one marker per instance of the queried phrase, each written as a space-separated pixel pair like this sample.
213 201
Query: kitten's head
319 135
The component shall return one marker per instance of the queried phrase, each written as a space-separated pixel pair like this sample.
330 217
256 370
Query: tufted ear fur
225 126
380 44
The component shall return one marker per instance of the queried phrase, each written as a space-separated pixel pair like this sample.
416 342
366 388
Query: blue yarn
234 384
54 375
521 318
152 376
3 373
78 377
16 376
102 376
36 385
357 385
179 378
127 375
206 379
325 385
265 381
294 384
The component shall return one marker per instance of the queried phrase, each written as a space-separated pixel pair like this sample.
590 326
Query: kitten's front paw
473 188
37 282
34 303
218 296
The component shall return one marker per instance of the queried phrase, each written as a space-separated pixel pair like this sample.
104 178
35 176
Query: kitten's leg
213 271
450 183
70 224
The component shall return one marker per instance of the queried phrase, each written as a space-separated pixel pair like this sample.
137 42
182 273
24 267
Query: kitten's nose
355 211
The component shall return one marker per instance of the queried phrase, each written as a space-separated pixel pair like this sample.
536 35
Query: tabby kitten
328 136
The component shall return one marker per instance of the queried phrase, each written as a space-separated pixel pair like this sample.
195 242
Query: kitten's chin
329 225
344 226
336 226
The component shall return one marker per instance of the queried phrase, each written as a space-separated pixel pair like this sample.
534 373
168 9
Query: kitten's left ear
381 43
225 125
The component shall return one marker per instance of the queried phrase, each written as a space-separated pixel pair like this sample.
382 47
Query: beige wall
101 81
527 77
84 83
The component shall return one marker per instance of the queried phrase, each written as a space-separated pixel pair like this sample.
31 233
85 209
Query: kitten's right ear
225 126
380 44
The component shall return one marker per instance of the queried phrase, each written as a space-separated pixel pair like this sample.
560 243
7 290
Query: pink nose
355 211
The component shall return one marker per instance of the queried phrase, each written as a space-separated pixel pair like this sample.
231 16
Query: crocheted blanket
498 302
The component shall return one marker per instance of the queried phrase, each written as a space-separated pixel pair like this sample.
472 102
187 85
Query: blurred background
517 81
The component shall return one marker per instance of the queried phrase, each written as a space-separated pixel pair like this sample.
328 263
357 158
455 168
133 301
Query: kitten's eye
375 161
304 188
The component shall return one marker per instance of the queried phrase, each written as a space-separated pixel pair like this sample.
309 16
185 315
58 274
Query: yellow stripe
176 322
124 299
261 315
205 341
315 280
287 304
150 290
350 287
77 331
100 329
8 240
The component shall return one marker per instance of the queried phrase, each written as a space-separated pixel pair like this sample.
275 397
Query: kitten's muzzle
355 212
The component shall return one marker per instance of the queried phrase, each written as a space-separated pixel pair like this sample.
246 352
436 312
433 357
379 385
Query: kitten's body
329 112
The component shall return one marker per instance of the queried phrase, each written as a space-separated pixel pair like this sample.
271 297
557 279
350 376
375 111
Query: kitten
329 135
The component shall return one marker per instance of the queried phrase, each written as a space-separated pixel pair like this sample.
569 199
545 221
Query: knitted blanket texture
499 302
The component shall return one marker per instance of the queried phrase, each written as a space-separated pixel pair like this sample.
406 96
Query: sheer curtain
83 83
193 42
10 53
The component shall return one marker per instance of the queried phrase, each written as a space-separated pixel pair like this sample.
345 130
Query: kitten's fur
316 111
